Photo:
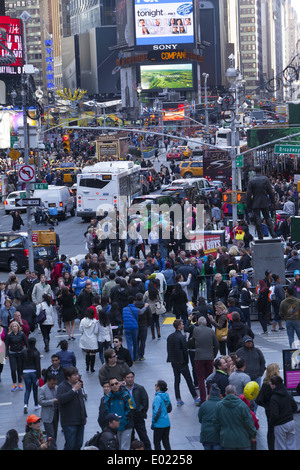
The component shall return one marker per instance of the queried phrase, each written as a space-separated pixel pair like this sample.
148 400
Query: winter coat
79 284
234 423
89 329
130 317
255 361
206 415
161 406
260 193
122 404
177 348
105 334
206 343
38 291
236 333
50 317
282 406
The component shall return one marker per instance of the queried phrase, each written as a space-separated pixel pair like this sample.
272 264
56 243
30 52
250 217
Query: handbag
160 308
41 317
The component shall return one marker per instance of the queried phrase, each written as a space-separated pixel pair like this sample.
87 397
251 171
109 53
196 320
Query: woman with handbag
221 326
45 318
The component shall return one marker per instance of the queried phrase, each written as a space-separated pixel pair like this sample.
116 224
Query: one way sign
27 202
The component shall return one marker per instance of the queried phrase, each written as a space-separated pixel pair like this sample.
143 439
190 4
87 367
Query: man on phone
72 409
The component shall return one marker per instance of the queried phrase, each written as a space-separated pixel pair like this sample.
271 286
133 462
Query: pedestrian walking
48 323
31 371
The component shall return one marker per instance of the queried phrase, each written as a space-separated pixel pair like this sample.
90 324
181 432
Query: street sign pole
26 155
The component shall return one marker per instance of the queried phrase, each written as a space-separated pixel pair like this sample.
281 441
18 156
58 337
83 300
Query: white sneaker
37 407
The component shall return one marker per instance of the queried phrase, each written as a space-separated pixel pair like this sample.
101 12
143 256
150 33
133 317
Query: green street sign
40 186
240 161
288 149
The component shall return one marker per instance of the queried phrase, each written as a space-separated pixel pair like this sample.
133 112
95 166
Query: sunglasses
115 383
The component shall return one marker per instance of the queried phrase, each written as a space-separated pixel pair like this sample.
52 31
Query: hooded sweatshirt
282 406
255 361
234 422
89 329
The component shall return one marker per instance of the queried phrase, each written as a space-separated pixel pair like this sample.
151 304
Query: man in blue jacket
121 402
131 328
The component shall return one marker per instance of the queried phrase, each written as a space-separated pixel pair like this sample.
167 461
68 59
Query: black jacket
123 354
31 362
260 193
108 439
177 348
236 333
15 343
83 302
71 405
141 399
219 292
282 406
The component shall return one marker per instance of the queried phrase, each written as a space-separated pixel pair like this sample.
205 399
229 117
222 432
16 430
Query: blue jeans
103 347
292 327
132 342
73 436
211 446
30 379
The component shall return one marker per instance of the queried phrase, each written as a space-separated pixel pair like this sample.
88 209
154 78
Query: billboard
11 43
291 368
164 22
173 112
171 76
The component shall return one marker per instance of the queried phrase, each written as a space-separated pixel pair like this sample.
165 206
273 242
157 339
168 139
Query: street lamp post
232 75
139 92
206 75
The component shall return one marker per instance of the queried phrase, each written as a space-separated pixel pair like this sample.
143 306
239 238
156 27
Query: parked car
175 154
152 178
190 169
185 150
14 251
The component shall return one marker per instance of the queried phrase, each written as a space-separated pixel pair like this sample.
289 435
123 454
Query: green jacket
234 423
206 416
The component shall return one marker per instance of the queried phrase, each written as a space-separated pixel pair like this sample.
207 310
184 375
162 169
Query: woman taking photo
31 366
14 343
34 437
48 323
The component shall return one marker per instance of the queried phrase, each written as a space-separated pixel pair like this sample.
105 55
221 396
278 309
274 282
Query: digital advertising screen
291 368
171 76
11 40
164 22
175 112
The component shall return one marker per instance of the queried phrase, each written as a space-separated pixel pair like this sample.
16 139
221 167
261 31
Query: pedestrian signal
241 198
227 197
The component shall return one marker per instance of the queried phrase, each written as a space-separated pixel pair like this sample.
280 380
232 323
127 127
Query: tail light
150 178
26 252
60 204
5 203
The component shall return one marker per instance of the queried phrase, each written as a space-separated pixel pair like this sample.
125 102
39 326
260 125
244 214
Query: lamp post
206 76
139 92
232 75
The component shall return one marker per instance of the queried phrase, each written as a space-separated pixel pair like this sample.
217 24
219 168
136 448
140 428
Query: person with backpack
108 438
276 296
161 407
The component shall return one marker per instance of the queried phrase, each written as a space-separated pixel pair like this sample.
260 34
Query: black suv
14 251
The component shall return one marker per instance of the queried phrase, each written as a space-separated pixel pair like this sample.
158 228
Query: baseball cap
113 417
32 419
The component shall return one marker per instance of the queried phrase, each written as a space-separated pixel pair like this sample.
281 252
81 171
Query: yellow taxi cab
68 172
190 169
185 150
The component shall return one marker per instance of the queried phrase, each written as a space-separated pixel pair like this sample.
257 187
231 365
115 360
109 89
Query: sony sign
165 47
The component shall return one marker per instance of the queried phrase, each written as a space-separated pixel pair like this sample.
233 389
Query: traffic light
227 197
66 143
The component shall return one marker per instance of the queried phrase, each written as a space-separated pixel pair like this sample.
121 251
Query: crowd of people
116 302
120 291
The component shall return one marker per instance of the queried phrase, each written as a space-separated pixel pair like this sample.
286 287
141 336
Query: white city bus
102 186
